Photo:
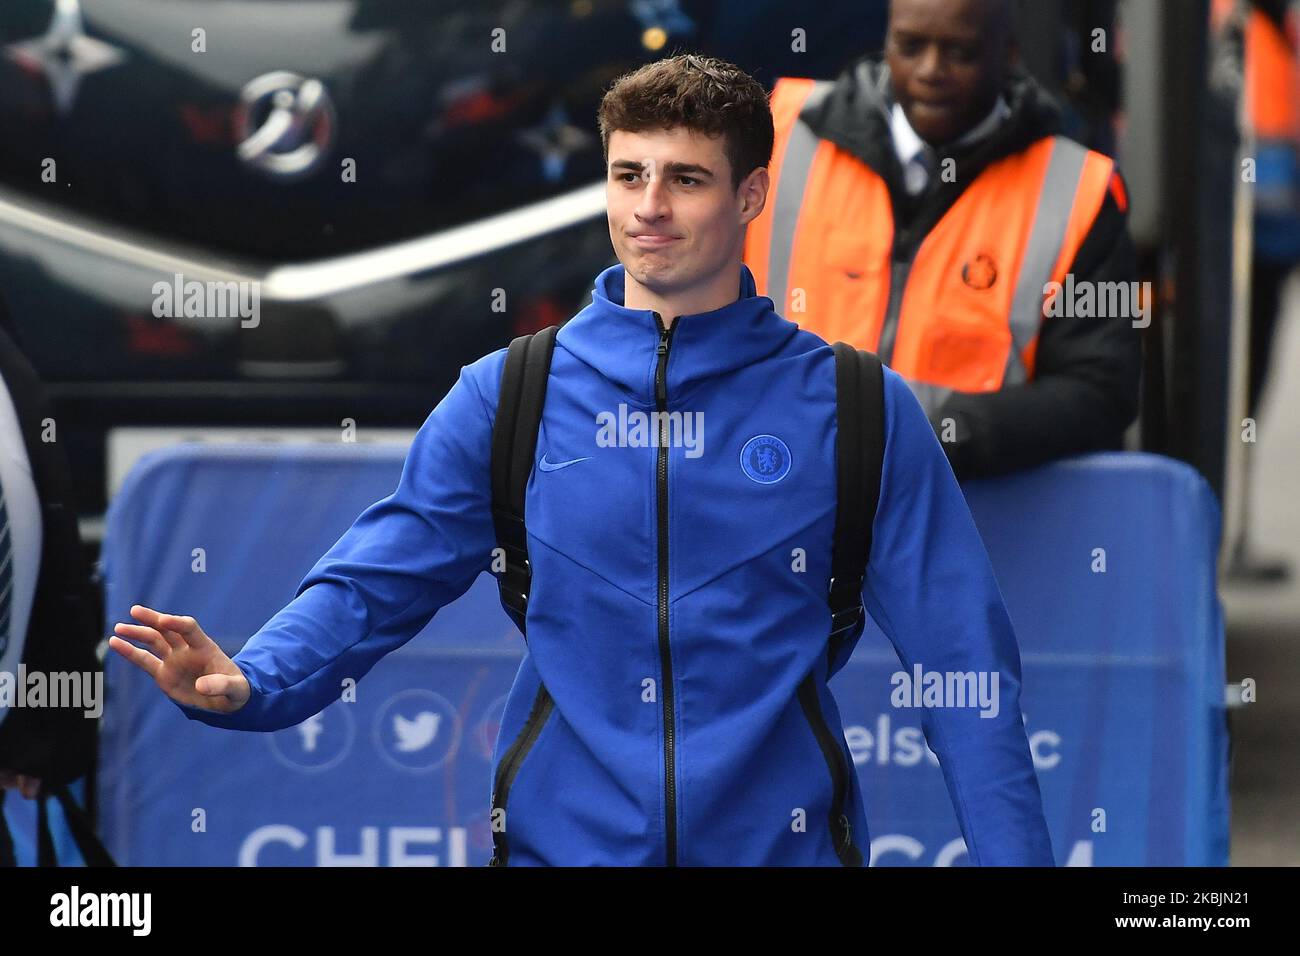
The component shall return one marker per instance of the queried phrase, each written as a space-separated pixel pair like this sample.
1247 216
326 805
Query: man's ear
753 194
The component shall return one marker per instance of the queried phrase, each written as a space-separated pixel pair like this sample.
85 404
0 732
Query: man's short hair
1003 16
704 94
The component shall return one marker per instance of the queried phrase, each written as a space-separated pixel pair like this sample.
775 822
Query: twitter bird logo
416 733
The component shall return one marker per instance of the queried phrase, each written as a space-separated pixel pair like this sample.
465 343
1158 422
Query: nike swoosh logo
557 465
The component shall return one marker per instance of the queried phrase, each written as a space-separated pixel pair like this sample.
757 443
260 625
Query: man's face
674 220
946 62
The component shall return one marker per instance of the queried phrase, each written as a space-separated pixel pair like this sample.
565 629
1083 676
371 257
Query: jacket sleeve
1085 387
405 557
930 587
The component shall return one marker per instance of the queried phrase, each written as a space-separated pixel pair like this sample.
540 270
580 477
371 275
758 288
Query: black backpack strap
93 852
514 443
45 855
859 455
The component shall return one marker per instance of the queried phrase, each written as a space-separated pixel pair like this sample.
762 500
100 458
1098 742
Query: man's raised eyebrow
671 168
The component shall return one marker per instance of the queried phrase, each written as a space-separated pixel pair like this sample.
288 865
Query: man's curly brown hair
704 94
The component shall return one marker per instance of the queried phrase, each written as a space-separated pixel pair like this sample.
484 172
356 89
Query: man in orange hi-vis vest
925 207
1271 35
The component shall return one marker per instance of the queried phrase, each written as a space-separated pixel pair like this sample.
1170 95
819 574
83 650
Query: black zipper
900 267
906 245
665 655
840 827
509 768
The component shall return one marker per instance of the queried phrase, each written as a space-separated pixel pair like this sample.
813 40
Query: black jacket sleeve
1084 392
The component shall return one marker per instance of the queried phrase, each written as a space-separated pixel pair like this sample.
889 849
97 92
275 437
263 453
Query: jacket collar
622 343
856 116
908 143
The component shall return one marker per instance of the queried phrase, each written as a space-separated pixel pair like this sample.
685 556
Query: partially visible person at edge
1269 32
48 605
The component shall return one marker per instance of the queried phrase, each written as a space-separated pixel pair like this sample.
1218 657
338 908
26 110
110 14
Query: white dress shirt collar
917 157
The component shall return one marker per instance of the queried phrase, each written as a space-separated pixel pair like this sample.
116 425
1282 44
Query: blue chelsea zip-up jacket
672 705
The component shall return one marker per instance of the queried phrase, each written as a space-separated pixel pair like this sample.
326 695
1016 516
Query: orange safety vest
1272 71
967 309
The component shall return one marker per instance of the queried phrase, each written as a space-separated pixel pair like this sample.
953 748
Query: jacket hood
622 343
855 115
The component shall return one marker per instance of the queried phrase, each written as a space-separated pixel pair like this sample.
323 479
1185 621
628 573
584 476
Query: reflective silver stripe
795 163
930 396
1046 237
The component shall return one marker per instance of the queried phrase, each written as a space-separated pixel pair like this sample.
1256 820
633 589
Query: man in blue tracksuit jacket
678 599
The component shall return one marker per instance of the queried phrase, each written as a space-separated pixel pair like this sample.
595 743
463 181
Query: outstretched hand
185 663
